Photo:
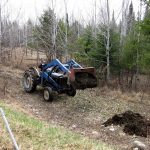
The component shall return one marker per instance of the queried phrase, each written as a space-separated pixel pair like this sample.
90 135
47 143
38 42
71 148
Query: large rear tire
29 81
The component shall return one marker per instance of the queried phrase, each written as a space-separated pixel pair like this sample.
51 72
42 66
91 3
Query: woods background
120 51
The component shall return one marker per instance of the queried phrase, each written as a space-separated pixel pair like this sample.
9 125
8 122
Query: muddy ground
85 113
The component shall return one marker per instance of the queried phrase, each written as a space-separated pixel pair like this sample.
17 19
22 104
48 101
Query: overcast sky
24 9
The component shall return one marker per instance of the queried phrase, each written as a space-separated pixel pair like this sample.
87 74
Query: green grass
33 134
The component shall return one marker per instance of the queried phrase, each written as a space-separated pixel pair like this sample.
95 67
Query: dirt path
85 113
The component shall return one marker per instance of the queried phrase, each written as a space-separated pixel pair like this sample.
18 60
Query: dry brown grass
118 94
22 58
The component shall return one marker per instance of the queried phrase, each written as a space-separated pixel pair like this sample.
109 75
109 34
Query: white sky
24 9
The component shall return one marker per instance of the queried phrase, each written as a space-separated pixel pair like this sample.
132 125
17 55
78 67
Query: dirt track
85 113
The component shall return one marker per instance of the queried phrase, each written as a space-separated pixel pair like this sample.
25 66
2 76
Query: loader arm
73 64
57 63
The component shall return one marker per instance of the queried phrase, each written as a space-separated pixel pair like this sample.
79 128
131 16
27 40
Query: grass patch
31 133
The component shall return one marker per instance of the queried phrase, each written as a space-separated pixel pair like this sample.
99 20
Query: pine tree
130 18
44 32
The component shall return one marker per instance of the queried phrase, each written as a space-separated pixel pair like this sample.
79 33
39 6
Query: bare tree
54 31
139 34
123 23
0 28
104 29
66 30
108 41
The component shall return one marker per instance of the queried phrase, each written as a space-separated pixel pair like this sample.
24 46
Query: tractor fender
35 70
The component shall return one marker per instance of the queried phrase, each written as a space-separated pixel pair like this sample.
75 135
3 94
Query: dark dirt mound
133 123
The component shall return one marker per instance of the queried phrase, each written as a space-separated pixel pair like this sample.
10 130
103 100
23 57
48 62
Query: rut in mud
133 123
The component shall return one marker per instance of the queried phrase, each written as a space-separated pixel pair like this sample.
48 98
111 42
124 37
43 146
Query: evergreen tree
145 28
44 32
130 18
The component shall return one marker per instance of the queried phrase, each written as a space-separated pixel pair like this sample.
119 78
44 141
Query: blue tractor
62 78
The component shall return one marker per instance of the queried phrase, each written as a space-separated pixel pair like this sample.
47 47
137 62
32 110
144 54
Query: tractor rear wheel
29 81
71 91
47 94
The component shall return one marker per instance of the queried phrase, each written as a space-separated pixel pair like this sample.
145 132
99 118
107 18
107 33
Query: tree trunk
54 33
0 30
108 43
66 31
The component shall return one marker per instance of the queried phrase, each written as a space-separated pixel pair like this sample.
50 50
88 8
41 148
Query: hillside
33 134
84 114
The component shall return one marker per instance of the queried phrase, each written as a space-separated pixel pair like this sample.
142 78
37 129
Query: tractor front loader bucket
83 78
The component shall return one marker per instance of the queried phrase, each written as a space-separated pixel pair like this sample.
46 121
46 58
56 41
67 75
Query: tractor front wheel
47 94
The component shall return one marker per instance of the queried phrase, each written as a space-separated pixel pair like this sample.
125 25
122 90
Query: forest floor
85 113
